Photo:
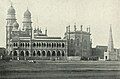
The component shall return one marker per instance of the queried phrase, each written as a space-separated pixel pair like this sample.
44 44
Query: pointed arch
27 53
63 53
58 53
48 53
63 45
43 53
38 53
15 53
53 53
22 53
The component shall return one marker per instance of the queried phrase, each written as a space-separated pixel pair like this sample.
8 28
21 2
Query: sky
55 15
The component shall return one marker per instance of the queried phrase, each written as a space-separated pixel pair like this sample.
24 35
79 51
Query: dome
11 10
27 13
15 25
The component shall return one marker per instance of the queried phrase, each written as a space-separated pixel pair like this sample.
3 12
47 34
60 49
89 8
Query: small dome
27 13
15 25
11 10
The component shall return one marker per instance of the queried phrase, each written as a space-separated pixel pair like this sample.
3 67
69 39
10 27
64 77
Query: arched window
39 44
43 53
63 45
34 44
52 44
59 44
58 53
53 53
21 44
38 53
14 44
44 44
28 44
63 53
21 53
27 53
48 53
71 40
15 53
34 53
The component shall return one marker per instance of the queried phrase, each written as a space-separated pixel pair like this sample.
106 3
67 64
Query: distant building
111 54
79 42
98 51
28 43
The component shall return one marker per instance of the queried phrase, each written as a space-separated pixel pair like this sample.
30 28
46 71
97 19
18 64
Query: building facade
98 51
24 43
79 42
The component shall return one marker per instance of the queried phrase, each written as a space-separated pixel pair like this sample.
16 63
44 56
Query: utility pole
81 40
75 39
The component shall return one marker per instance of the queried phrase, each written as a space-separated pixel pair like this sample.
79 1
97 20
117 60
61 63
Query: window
48 53
38 53
63 45
34 44
27 53
53 53
71 40
77 42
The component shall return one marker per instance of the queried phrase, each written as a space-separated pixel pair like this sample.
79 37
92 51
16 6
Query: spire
110 43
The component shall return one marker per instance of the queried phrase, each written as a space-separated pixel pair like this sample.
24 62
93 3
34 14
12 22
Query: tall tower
27 24
10 20
110 54
110 43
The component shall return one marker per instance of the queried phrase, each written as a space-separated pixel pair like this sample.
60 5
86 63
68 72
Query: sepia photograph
59 39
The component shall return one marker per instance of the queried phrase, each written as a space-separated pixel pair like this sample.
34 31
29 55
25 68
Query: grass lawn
60 70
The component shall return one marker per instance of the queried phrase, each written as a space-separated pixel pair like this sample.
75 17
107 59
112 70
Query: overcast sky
57 14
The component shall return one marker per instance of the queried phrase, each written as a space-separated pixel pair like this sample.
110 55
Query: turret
9 26
110 43
27 20
11 15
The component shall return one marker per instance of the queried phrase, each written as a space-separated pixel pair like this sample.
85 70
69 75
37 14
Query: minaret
110 43
27 24
9 26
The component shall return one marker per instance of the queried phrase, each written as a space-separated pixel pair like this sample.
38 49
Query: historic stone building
24 43
79 42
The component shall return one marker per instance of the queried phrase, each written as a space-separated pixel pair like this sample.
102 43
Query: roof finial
75 27
11 3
